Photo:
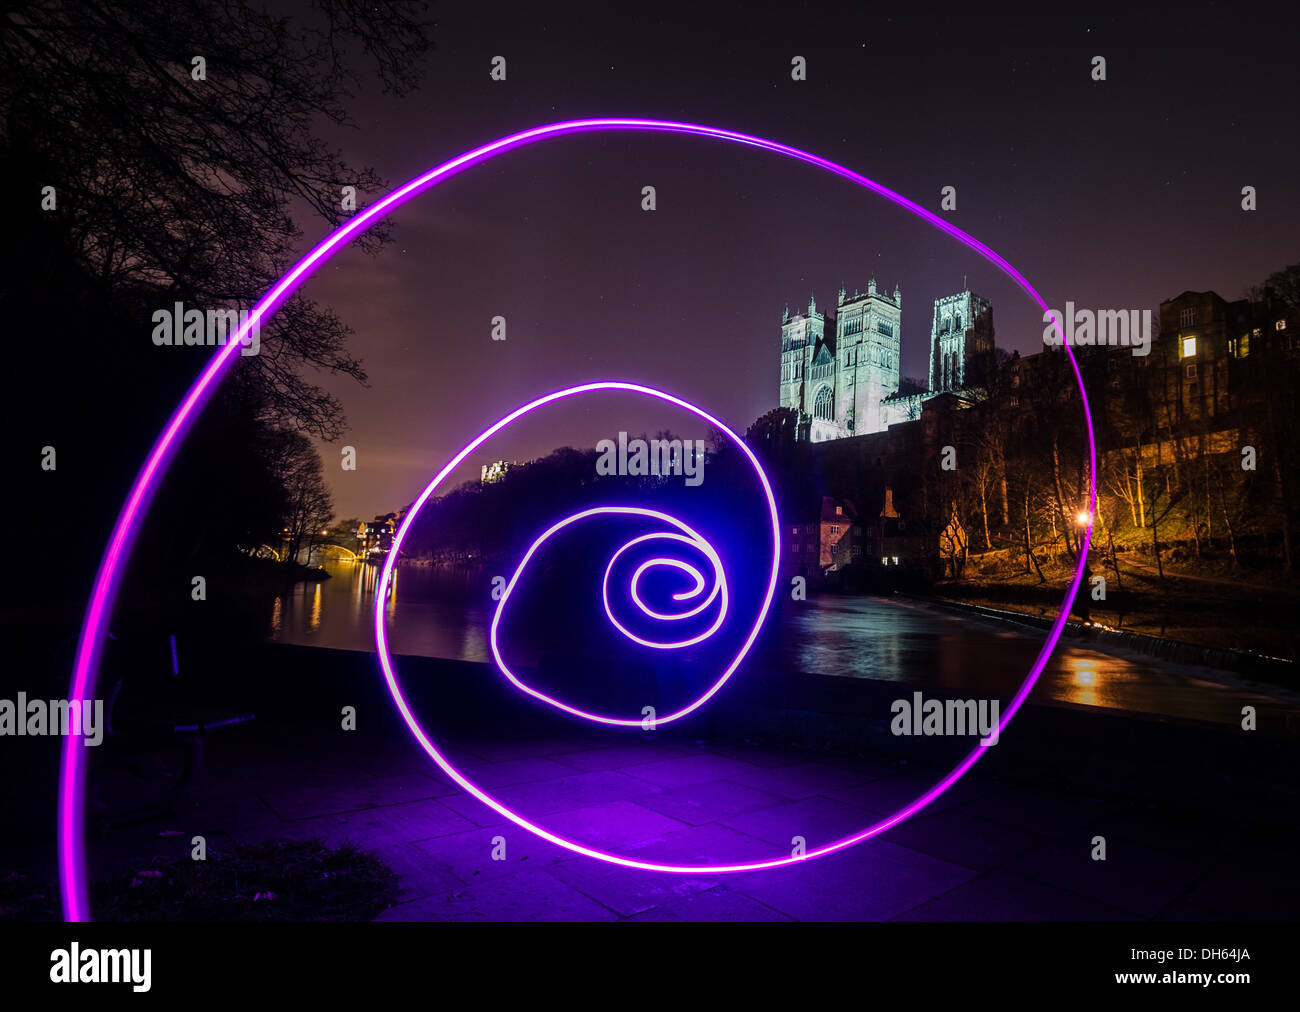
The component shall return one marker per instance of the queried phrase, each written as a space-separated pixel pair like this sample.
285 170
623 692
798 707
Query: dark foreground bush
279 880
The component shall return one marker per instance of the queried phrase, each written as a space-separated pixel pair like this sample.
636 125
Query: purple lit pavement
986 850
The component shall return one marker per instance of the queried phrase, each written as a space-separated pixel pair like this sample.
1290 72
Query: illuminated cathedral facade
840 369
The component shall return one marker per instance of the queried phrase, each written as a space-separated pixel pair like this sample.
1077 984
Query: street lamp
1083 518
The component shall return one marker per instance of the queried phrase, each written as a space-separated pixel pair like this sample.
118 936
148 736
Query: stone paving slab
1004 896
697 804
1133 877
765 758
1174 831
1247 887
469 807
1041 811
407 763
593 760
418 874
817 821
420 820
709 844
516 771
616 825
986 850
715 905
873 881
580 790
884 797
506 750
627 891
963 839
469 855
696 769
524 896
800 781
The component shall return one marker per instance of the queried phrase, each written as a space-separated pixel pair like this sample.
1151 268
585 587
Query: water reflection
428 612
438 614
1084 679
896 640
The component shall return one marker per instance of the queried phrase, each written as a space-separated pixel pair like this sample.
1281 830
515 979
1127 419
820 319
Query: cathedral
840 370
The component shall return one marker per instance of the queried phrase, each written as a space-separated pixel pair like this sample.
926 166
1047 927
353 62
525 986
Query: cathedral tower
961 342
867 345
802 335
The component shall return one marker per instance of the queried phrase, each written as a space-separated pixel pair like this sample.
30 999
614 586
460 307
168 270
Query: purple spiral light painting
713 587
708 585
684 536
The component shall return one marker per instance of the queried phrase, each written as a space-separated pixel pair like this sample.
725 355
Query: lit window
884 560
1280 325
1189 347
895 560
839 511
823 406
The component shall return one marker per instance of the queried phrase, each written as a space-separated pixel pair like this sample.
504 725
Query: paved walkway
986 850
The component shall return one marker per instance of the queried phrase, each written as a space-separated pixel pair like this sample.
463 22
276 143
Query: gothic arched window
822 406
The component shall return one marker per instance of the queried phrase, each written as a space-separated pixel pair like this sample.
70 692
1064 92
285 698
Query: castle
840 370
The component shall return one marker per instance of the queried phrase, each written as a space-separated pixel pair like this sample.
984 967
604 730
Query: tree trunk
1142 505
1029 551
1155 542
1114 559
984 512
1227 523
1131 496
1060 493
1209 502
1283 509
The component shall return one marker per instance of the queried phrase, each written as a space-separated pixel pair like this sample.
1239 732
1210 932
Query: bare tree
308 505
180 141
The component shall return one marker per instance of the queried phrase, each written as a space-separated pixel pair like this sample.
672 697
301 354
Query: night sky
1114 194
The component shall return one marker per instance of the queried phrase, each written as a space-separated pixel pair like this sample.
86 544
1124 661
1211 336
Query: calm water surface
853 637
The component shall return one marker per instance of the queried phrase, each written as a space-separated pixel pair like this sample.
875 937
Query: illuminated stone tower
868 334
802 336
961 342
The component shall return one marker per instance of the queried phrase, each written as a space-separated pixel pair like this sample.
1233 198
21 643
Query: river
853 637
